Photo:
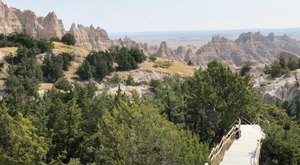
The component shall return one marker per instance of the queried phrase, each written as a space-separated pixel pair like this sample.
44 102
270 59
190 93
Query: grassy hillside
175 68
60 48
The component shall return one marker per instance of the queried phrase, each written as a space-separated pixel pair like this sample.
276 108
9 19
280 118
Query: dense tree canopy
97 65
185 118
128 58
20 39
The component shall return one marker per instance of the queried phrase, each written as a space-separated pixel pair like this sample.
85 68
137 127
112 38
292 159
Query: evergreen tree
68 39
85 71
19 142
52 68
137 134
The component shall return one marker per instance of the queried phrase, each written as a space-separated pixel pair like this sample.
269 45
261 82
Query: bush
1 65
20 39
246 67
68 39
190 63
96 64
152 58
86 71
63 84
25 74
52 68
154 83
128 59
277 68
115 79
66 58
130 81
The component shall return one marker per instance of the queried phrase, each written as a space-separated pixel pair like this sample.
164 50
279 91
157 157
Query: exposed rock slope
164 51
253 47
90 37
15 20
280 89
250 46
128 42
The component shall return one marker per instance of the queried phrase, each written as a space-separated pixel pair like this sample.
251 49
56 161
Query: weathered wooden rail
217 153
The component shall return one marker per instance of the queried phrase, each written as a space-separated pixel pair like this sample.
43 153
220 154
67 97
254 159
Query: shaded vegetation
186 117
100 64
20 39
282 66
68 39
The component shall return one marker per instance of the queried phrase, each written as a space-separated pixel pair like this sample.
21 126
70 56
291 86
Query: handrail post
239 129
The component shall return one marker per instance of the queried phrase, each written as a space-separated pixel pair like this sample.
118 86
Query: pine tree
20 143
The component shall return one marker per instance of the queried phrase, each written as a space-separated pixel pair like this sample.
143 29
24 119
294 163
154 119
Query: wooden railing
257 153
217 153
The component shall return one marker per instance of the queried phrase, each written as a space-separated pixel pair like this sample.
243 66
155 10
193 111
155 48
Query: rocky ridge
164 51
253 47
128 42
90 37
15 20
280 89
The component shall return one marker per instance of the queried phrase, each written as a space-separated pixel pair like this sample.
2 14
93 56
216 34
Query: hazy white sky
166 15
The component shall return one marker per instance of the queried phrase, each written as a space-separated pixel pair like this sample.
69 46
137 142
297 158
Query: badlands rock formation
164 51
14 20
253 47
189 56
90 37
128 42
280 89
180 52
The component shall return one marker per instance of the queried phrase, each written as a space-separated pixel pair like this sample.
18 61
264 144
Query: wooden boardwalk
246 149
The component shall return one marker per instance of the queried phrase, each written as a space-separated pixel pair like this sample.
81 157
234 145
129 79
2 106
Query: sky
169 15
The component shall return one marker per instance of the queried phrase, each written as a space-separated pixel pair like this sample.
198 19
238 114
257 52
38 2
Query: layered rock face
254 47
14 20
90 37
164 51
189 56
128 42
280 89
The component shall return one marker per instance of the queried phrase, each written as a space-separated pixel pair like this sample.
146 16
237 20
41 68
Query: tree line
179 125
99 64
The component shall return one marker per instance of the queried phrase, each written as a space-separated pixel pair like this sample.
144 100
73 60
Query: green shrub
96 64
246 67
152 58
127 58
20 39
52 68
130 81
277 68
115 79
154 83
63 84
68 39
190 63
